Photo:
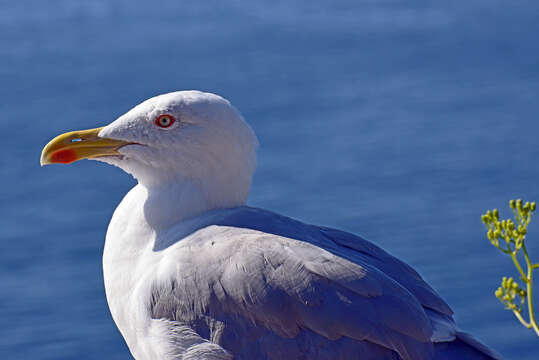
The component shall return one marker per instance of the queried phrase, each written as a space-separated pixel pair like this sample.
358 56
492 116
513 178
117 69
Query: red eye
164 120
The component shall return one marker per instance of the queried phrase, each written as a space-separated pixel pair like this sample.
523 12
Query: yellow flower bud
512 204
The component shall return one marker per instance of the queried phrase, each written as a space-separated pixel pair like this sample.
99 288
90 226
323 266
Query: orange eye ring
164 120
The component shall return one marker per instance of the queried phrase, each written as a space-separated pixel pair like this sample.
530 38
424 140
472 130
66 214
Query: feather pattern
268 279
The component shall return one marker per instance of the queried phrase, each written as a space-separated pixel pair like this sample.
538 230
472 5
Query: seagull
192 272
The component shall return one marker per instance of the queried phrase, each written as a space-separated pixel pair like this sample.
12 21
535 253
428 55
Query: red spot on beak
64 156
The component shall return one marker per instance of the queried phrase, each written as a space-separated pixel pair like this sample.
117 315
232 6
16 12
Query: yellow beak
77 145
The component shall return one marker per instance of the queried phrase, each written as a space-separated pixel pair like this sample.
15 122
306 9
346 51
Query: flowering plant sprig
509 237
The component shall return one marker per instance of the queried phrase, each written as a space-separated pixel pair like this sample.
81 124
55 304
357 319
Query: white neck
171 203
167 197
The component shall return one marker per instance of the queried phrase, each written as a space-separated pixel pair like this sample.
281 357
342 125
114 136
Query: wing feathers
329 282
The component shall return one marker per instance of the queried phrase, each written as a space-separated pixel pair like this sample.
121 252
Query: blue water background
399 120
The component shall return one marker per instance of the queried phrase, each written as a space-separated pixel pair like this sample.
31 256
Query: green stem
529 285
521 319
505 251
517 264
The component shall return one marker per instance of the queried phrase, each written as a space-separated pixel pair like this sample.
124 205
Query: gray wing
253 282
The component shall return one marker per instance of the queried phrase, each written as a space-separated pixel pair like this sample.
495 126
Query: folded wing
250 274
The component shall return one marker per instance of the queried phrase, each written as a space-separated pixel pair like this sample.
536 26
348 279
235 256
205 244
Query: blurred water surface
401 121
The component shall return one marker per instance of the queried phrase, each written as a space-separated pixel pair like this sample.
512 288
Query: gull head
183 136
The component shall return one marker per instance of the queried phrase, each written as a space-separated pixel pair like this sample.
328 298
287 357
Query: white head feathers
209 146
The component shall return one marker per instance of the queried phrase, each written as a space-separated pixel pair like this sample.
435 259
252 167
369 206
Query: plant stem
521 319
517 264
529 284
